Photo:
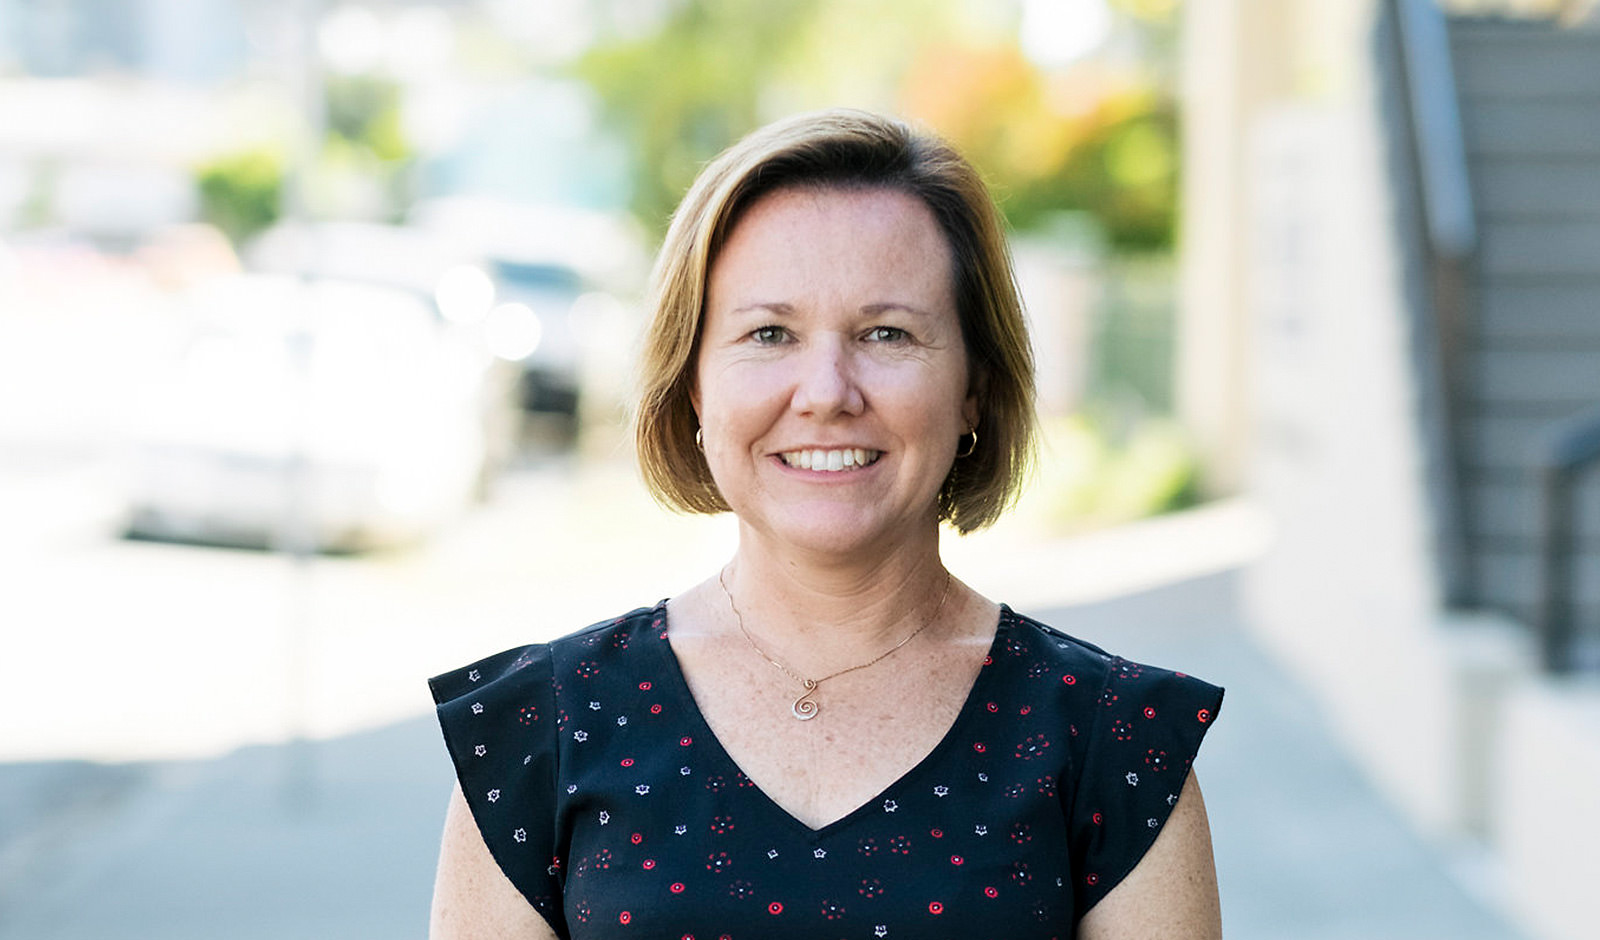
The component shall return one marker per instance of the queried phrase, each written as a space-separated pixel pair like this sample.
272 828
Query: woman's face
832 381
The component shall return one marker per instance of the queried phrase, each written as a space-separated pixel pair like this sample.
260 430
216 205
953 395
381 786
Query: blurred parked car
441 273
319 412
559 274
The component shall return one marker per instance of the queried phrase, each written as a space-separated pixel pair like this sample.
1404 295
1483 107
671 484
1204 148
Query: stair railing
1570 449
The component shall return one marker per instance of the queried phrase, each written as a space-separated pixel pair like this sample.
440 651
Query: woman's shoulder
1087 668
536 661
1049 641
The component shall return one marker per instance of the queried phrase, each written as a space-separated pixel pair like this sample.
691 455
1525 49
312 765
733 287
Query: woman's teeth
831 460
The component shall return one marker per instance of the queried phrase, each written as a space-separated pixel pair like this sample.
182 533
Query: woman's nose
827 383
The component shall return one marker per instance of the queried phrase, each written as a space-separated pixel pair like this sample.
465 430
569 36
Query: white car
315 414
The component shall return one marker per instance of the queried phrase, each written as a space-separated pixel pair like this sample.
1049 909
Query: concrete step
1535 129
1558 248
1564 377
1517 188
1503 60
1503 510
1513 312
1510 440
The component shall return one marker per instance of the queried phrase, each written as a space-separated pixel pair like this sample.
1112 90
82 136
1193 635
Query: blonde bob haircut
841 149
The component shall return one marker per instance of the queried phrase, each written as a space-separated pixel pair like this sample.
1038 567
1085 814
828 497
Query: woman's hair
845 149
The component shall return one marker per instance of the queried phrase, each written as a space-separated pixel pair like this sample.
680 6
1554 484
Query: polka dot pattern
615 810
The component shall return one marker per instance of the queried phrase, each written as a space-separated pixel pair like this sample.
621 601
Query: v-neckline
968 712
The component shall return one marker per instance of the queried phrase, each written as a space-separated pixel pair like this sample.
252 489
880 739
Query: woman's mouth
832 461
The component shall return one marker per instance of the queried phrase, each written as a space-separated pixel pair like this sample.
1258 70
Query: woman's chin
842 530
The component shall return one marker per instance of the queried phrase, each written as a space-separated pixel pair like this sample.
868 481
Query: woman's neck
820 614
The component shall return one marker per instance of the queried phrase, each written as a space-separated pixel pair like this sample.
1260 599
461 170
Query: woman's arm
471 897
1172 892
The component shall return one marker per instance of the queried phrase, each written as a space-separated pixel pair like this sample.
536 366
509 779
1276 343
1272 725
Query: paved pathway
337 838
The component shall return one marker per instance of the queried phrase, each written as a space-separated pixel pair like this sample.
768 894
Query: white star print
890 806
1133 779
820 853
1151 822
1172 799
622 719
880 931
477 708
605 817
494 796
642 789
521 835
572 788
594 706
772 853
983 778
980 830
580 735
679 830
479 750
941 791
685 771
473 675
527 759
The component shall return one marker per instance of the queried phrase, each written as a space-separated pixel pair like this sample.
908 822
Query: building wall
1306 286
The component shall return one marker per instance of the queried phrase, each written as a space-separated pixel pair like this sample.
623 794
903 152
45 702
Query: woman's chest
951 850
855 747
820 752
661 830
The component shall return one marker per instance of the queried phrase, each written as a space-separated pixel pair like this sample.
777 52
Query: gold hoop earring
700 438
971 446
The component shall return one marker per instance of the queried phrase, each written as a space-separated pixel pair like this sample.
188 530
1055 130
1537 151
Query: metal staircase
1526 379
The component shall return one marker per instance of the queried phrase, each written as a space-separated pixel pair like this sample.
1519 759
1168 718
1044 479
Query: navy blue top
607 801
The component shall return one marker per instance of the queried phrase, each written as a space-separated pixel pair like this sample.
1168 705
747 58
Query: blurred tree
364 111
1092 138
239 192
1157 12
366 135
679 96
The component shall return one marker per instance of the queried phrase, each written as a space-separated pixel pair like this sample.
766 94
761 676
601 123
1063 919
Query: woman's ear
970 410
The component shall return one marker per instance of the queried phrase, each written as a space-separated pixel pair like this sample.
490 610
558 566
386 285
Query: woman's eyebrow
874 309
779 308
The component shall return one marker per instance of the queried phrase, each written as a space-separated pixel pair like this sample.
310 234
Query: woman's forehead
811 241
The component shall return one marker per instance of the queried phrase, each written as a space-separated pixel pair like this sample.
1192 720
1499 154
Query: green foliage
1123 172
680 96
1098 139
1088 478
239 192
364 111
366 135
1163 12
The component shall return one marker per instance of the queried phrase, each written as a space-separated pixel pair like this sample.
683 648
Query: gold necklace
804 708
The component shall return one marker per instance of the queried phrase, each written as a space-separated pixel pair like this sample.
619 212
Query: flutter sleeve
1147 727
499 721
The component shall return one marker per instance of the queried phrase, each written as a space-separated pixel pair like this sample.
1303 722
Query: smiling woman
832 735
831 331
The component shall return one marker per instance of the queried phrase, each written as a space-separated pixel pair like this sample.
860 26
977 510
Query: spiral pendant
803 708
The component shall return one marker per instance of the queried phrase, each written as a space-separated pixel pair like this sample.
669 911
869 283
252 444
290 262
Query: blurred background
316 330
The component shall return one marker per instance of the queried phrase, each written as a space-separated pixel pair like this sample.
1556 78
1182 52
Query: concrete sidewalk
338 838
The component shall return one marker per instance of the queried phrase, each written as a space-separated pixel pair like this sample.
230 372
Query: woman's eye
887 334
768 335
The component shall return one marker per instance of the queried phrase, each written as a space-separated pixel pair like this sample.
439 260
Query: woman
831 736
